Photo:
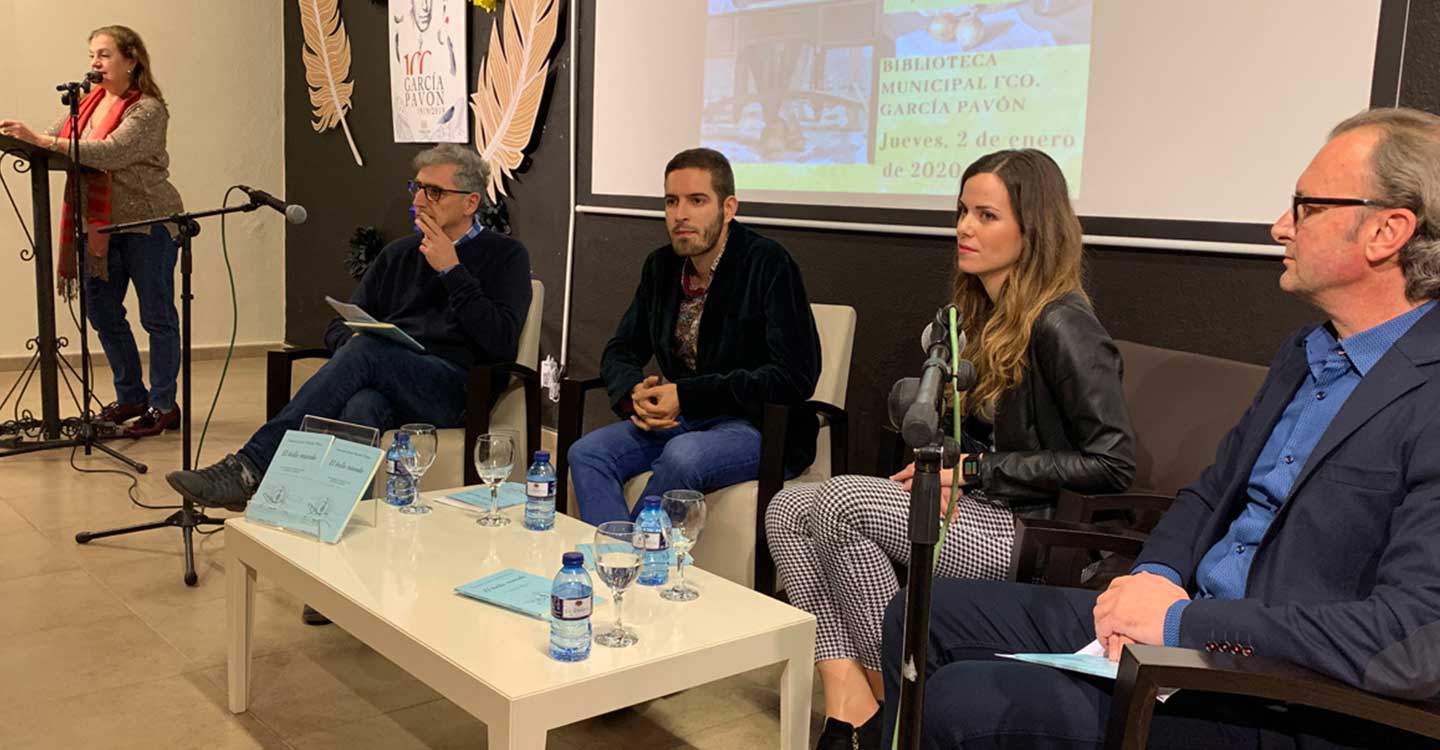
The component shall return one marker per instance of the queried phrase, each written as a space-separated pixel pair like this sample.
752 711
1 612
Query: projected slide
891 96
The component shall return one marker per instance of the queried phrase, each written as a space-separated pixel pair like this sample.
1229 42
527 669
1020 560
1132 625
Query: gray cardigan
134 154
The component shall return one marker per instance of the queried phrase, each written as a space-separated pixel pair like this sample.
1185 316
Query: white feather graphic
511 85
327 64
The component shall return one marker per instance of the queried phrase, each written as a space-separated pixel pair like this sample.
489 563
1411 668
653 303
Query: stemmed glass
618 546
686 509
494 458
424 443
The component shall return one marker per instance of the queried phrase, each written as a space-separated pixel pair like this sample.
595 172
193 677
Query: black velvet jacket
1066 423
757 343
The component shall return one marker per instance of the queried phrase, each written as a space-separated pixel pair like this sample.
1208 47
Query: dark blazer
1065 424
757 344
1346 580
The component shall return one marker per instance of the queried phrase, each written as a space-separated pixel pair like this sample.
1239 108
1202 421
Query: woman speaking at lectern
123 125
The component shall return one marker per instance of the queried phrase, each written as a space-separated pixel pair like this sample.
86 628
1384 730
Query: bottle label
654 541
570 609
540 489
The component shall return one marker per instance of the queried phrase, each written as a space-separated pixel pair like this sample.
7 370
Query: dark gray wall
321 175
1227 306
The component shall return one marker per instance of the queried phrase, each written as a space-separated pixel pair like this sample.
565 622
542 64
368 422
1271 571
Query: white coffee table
392 586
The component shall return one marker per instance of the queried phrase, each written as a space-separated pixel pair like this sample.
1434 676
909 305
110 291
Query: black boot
838 735
867 735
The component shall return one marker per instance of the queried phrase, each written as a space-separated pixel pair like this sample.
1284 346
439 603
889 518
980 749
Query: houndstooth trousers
836 544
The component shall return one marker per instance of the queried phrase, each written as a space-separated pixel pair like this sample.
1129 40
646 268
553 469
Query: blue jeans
373 382
149 261
697 455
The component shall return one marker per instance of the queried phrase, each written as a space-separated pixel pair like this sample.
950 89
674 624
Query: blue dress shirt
475 228
1335 368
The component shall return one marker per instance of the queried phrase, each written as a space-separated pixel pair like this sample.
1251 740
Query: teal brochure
1089 660
314 484
588 550
386 331
356 319
511 494
515 590
1091 664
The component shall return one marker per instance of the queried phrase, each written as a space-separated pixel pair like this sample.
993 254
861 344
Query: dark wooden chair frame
1146 670
774 426
478 387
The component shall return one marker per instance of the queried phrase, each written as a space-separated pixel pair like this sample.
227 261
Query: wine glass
686 509
618 546
494 458
424 444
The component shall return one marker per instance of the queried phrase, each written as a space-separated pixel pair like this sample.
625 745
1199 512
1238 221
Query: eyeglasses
433 192
1296 201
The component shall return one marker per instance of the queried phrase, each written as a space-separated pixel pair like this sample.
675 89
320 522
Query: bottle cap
572 559
652 501
542 456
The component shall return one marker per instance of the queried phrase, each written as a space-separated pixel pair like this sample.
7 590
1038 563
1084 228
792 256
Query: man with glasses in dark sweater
459 290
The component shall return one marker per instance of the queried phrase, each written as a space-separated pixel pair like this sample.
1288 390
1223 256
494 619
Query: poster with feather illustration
326 54
427 71
511 85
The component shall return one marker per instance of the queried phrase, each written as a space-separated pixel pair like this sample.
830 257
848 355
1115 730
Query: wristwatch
970 469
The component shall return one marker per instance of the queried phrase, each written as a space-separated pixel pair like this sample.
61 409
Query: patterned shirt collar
475 229
1365 348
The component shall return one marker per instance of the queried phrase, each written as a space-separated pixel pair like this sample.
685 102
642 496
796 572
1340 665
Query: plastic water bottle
655 526
399 484
571 599
540 493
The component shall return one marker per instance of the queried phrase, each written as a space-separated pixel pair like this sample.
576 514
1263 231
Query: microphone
94 76
937 331
921 421
294 212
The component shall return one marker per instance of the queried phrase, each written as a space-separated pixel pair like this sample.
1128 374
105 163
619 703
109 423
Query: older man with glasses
1312 538
460 291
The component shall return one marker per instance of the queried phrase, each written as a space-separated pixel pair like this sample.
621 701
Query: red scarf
96 202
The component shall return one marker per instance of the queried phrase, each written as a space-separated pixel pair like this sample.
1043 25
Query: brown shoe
153 422
117 413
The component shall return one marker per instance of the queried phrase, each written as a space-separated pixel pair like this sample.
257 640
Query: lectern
39 163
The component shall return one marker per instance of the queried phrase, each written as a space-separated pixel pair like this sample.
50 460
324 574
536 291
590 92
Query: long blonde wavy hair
1051 265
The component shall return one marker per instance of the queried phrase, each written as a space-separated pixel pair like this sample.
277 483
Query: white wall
219 64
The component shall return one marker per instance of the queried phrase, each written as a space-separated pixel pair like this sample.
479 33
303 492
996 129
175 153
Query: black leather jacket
1066 423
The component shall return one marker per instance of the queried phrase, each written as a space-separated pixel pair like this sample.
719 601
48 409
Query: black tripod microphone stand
188 517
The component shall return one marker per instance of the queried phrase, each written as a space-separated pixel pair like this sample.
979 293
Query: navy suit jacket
1346 580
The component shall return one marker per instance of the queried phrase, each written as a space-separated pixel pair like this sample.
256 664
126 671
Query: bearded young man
723 312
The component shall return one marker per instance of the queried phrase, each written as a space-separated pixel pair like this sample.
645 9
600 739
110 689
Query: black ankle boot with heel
838 735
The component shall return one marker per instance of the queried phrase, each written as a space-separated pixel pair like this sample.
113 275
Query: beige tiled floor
102 644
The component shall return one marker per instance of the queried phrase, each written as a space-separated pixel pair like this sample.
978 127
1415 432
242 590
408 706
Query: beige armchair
517 410
733 543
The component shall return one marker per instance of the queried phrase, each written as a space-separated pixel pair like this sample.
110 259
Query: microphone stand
933 451
937 453
188 518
